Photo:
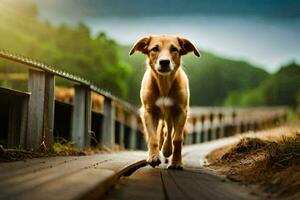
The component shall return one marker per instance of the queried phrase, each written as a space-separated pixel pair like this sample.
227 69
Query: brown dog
164 95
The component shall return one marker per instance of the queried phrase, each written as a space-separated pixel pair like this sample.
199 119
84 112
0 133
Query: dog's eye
174 49
155 49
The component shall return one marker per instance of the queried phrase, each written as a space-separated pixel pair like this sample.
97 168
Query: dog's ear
187 46
141 45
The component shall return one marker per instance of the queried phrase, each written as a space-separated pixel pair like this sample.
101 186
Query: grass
272 164
61 147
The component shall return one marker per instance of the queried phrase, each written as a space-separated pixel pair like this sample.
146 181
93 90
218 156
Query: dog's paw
153 160
177 166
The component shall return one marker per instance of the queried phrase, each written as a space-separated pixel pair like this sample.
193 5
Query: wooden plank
24 120
57 176
36 85
198 183
49 110
171 188
148 183
81 119
20 168
88 117
14 122
144 184
69 187
40 109
108 136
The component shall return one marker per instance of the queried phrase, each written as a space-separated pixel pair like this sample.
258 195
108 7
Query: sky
263 32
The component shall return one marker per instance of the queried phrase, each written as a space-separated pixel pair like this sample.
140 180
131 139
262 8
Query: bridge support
40 109
82 117
108 126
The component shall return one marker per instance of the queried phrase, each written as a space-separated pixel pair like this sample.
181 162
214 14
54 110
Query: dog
164 96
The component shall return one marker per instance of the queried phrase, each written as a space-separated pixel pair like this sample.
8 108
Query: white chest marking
164 102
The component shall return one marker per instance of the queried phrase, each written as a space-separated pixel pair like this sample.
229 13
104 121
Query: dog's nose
164 63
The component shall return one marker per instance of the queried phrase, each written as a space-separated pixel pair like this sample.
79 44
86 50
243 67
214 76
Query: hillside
211 77
281 88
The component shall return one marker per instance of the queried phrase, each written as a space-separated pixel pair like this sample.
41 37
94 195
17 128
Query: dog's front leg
179 122
150 122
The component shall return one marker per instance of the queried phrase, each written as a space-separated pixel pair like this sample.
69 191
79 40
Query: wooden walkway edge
85 177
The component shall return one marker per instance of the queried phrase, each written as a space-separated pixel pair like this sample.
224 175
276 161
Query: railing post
212 126
40 109
81 120
88 117
133 132
121 127
234 123
49 109
108 133
194 137
197 131
221 125
202 132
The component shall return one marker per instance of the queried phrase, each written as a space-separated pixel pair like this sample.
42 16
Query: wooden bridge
34 118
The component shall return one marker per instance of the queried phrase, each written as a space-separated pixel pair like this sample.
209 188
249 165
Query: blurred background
250 48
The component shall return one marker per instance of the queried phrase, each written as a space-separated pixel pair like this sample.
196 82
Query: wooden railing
38 109
210 123
33 115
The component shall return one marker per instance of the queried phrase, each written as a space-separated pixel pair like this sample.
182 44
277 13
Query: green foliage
245 98
72 49
214 81
282 88
212 78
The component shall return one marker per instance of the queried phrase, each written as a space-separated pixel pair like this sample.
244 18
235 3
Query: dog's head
164 52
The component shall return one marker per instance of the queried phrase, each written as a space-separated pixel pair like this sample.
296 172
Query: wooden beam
108 132
24 120
49 110
14 122
40 109
81 119
88 117
121 116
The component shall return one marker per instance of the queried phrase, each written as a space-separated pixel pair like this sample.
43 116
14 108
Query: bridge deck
160 183
65 177
90 177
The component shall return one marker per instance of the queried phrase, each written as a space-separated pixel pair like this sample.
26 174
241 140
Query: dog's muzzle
164 66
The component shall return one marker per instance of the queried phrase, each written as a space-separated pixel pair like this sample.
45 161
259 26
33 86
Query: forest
214 80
